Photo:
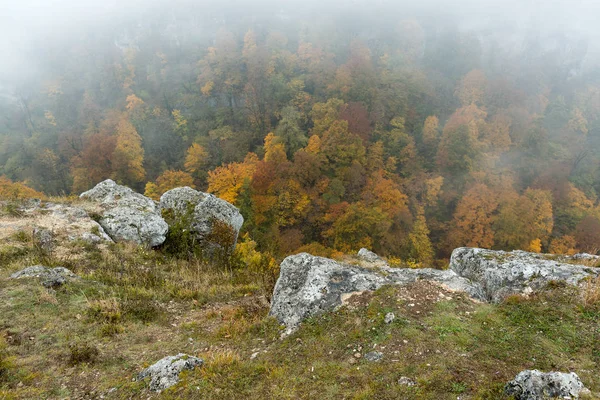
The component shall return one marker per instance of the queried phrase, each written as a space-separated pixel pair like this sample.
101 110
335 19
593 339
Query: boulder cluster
127 216
309 285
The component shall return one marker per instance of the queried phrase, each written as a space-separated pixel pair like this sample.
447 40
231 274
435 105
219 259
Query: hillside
331 128
130 306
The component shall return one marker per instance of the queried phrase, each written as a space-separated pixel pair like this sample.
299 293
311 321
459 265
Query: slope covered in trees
330 131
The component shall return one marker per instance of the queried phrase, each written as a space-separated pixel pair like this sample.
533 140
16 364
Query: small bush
81 353
104 311
110 330
141 309
180 241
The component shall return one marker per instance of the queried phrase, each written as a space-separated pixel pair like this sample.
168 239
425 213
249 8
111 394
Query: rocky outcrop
128 216
165 373
213 221
53 226
369 256
499 273
536 385
49 277
309 285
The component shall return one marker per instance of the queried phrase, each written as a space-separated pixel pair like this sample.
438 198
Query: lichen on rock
128 216
165 372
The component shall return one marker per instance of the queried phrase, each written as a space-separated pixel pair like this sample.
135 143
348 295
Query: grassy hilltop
133 306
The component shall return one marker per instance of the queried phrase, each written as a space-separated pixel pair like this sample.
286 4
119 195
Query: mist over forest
407 128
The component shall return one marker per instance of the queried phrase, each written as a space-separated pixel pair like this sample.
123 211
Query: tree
340 147
357 116
524 219
95 161
288 131
196 161
419 245
324 115
10 190
385 194
587 234
471 89
474 217
228 180
357 226
457 152
431 134
171 179
128 156
563 245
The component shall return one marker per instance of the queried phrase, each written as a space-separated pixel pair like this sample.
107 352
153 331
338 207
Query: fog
30 27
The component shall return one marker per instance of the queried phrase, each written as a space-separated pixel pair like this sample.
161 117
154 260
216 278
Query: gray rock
389 318
369 256
310 285
50 277
406 381
128 216
92 238
499 274
203 211
129 224
536 385
43 239
165 373
374 356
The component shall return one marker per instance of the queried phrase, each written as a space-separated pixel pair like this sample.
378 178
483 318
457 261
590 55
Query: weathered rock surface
53 227
499 273
43 238
369 256
128 216
309 285
204 212
536 385
165 373
49 277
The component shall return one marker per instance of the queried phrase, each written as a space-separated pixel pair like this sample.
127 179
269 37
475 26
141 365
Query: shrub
141 309
104 311
83 353
180 241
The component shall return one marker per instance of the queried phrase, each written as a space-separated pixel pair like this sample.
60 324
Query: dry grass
134 306
591 292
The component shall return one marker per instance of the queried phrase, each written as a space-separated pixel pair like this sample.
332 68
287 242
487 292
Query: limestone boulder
537 385
309 285
213 221
499 273
128 216
165 372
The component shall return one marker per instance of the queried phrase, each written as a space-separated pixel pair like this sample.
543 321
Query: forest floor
90 338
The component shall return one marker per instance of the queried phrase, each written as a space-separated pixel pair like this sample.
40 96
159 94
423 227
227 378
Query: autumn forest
330 129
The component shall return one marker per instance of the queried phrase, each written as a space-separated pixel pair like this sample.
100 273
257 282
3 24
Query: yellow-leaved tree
128 156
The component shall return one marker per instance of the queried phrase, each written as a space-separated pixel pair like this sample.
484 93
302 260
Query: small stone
165 373
357 355
374 356
406 381
389 318
254 355
50 278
